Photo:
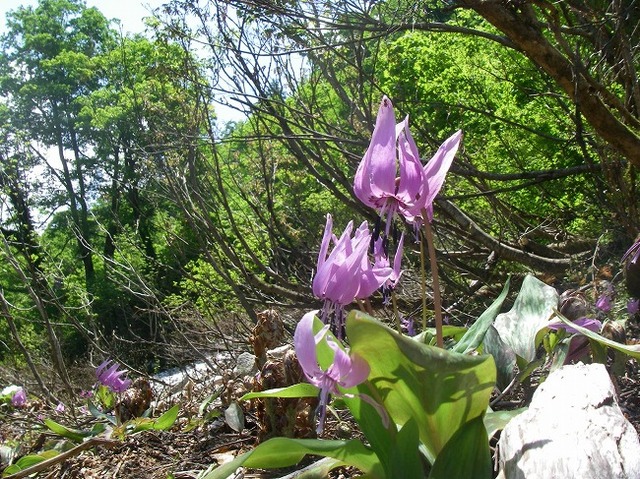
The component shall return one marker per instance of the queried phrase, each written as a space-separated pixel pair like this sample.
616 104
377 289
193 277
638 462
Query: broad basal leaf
300 390
531 311
64 431
283 452
474 337
466 455
438 389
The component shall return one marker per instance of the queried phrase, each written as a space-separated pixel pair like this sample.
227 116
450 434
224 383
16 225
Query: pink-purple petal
411 182
304 342
382 151
358 372
436 169
326 240
588 323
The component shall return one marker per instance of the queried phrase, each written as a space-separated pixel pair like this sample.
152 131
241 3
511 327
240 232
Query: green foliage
29 460
513 121
283 452
531 311
422 382
466 454
434 398
205 288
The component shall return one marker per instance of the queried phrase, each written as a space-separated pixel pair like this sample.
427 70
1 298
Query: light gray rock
574 428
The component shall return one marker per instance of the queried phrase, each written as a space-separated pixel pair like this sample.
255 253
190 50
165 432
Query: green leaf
633 351
137 424
300 390
495 421
105 397
283 452
28 461
319 469
502 354
208 401
166 420
438 389
234 417
474 337
370 423
531 312
466 455
428 336
60 430
97 413
406 461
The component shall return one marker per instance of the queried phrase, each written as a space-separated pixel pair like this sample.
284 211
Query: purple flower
382 263
345 371
382 260
603 303
60 408
633 252
578 344
435 172
633 306
588 323
408 324
19 398
108 375
86 394
390 177
345 273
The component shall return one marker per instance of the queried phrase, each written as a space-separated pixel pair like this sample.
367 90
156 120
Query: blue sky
129 12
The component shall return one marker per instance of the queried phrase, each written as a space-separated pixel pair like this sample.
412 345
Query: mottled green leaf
438 389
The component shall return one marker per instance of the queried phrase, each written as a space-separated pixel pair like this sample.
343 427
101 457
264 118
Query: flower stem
367 307
423 286
394 302
437 301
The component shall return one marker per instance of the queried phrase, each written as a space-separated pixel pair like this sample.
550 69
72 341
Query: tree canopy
131 214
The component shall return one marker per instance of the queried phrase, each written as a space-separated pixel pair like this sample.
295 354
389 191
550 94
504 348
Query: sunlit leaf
59 429
28 461
531 311
405 461
166 420
474 337
439 389
300 390
283 452
495 421
466 455
208 401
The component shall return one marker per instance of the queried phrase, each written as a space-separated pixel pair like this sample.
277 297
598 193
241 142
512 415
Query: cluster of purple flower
19 399
108 375
392 180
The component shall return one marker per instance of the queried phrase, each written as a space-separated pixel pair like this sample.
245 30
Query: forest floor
200 437
195 441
